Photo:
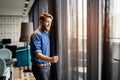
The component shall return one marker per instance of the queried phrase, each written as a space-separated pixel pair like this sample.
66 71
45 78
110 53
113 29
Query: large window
72 36
115 38
77 39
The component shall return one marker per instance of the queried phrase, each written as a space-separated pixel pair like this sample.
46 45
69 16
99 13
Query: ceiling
14 7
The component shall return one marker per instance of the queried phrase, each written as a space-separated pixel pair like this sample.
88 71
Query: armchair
2 67
4 71
6 55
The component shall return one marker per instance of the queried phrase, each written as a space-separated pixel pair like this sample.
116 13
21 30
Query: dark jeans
41 73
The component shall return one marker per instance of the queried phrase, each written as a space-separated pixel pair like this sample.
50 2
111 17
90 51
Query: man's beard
45 28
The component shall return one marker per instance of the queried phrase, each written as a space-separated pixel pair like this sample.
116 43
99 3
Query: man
40 49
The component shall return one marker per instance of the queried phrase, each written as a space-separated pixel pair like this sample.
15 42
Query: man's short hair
44 15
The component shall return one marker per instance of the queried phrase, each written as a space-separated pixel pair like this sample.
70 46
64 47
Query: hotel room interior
85 34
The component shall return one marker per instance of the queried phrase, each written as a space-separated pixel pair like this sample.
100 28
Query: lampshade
26 31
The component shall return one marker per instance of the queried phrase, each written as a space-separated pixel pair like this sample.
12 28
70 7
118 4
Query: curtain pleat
106 63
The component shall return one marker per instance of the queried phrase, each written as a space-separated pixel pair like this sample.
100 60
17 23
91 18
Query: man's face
47 23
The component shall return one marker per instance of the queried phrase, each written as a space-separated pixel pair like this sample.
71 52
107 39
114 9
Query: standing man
40 49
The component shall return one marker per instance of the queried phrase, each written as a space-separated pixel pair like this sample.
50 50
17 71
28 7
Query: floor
18 74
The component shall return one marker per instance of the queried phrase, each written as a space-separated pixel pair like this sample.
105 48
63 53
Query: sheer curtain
71 22
106 64
111 40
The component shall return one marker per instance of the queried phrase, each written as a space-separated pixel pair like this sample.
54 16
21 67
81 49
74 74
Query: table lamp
26 31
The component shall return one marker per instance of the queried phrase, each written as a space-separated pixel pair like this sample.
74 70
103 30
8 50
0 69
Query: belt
47 64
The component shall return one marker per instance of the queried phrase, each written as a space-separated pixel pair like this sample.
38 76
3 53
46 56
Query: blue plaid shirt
39 43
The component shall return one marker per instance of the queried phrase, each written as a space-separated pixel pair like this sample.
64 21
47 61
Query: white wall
10 27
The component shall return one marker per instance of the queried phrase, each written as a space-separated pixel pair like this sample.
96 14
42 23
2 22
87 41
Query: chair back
5 53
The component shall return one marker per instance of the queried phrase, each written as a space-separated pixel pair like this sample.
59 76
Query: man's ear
41 22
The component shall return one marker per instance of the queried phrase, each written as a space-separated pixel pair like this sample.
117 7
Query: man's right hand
54 59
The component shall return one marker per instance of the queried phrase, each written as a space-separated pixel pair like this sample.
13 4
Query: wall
10 27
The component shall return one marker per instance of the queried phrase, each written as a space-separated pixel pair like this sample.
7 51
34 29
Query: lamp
26 31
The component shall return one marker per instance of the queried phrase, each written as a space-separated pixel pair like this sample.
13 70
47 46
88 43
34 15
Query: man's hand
54 59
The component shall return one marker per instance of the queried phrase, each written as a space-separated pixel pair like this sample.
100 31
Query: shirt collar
43 30
46 32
